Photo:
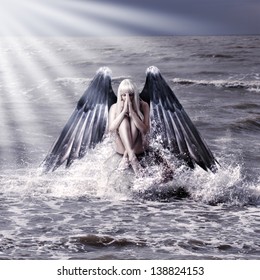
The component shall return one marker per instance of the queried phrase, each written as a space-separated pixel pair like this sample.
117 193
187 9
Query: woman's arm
113 120
142 126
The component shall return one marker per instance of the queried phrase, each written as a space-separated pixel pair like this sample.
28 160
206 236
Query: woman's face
125 94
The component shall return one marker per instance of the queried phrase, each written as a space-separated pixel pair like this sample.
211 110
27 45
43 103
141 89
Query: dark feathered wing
173 125
87 124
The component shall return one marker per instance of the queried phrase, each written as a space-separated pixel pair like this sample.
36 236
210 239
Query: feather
86 126
170 121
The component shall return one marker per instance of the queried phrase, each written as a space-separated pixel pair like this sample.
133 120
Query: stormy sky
123 17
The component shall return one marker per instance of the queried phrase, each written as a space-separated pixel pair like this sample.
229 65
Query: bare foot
136 166
124 163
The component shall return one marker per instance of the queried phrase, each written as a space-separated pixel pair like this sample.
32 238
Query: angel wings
87 125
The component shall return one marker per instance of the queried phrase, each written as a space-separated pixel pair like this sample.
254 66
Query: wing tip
104 71
152 70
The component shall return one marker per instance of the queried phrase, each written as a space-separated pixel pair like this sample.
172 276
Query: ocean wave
251 123
66 81
93 240
213 55
232 84
245 106
71 81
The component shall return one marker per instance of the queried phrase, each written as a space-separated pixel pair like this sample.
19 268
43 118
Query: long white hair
128 86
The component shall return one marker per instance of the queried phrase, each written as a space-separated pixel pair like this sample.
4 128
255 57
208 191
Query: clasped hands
127 107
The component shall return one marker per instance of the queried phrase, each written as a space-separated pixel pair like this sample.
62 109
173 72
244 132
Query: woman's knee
125 125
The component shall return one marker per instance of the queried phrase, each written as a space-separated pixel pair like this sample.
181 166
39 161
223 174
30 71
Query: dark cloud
222 16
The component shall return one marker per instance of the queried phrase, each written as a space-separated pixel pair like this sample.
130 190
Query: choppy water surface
91 211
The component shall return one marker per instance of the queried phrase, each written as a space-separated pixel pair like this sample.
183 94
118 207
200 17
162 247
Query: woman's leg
134 132
128 135
124 164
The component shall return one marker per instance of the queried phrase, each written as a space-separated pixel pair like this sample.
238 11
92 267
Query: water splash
96 176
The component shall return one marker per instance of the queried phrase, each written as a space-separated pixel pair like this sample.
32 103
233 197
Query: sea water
92 211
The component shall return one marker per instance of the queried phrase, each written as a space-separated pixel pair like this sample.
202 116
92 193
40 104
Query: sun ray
50 56
132 20
20 74
40 66
20 69
87 18
64 20
32 65
5 145
38 12
16 113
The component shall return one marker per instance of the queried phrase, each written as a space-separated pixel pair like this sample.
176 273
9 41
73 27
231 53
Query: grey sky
221 16
135 17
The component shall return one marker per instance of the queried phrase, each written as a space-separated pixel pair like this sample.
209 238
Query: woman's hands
130 106
127 107
117 115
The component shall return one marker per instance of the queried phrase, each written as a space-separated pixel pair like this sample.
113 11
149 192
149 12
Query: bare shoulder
112 108
145 106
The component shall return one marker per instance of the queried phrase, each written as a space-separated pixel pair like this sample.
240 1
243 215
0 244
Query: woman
129 119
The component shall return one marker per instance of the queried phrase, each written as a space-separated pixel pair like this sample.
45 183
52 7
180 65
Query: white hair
128 86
